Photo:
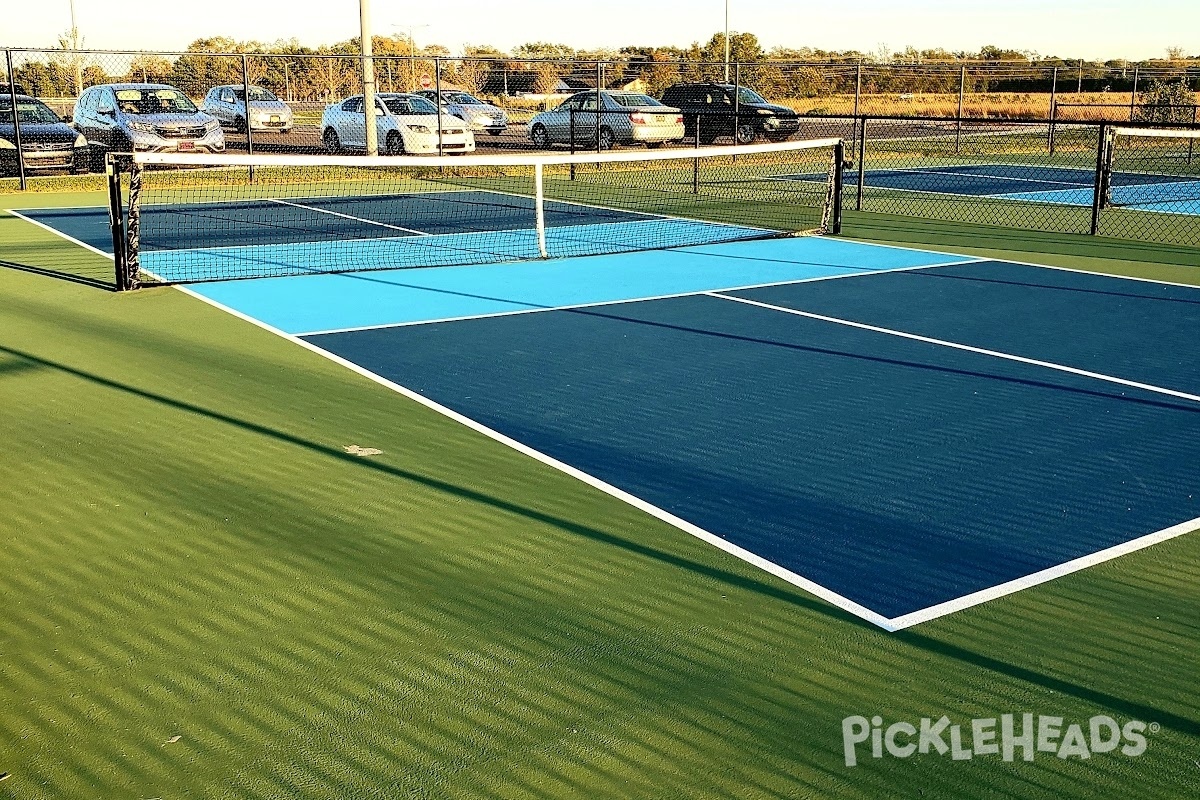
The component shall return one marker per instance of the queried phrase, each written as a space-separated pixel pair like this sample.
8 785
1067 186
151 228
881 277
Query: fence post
1133 94
862 166
1053 110
1079 89
437 88
1099 188
737 106
246 98
16 118
962 88
599 100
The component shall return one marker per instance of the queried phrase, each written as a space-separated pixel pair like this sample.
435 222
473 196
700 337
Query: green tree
1163 102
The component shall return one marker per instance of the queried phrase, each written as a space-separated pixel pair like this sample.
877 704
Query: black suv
722 109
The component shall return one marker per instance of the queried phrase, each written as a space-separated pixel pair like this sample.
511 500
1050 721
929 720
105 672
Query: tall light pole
75 58
412 52
368 71
727 41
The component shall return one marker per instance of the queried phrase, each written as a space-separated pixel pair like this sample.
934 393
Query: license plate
187 145
274 118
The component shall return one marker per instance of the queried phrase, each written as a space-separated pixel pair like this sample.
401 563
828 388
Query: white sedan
405 123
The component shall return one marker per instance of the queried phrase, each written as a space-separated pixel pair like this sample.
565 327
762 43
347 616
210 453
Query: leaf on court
174 739
355 450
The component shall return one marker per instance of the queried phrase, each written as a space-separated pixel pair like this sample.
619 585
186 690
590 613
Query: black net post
839 165
133 225
116 223
1103 177
16 119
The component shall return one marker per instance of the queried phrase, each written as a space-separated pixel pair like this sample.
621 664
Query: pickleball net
1152 169
193 217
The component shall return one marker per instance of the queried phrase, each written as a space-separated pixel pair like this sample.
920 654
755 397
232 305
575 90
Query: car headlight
5 144
209 127
80 140
144 127
420 128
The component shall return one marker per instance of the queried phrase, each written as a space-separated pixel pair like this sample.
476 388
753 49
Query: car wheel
539 136
606 139
394 145
654 145
745 133
332 143
96 159
495 131
778 137
239 125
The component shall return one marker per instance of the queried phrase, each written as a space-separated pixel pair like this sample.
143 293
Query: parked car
151 117
722 109
406 123
623 118
47 142
479 115
267 112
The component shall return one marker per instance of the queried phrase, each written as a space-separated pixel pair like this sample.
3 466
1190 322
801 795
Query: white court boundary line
828 595
889 624
816 589
600 303
54 230
959 346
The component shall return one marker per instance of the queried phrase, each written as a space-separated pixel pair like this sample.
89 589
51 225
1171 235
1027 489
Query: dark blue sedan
47 142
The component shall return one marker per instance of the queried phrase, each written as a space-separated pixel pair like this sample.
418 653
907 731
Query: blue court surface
902 433
1178 194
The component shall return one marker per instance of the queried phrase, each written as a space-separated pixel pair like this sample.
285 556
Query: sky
1095 30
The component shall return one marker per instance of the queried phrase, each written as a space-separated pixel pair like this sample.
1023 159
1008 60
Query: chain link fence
1030 130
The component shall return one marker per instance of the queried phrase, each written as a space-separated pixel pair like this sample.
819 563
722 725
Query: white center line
346 216
957 346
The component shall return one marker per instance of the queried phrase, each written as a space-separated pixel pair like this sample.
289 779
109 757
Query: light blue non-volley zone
333 302
409 251
1174 197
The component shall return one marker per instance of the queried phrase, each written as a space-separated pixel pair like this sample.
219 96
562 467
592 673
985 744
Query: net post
1103 176
116 225
539 205
837 179
133 225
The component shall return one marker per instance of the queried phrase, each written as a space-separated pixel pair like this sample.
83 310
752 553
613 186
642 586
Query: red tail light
637 119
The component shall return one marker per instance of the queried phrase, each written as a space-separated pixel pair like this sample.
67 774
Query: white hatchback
405 123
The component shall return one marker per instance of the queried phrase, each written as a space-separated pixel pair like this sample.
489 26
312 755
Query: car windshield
750 96
257 94
634 100
154 101
409 105
463 99
29 112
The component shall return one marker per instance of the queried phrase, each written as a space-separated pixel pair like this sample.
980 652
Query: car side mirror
67 118
105 111
379 112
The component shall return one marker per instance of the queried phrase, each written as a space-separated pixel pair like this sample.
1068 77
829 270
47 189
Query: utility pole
75 58
368 78
727 41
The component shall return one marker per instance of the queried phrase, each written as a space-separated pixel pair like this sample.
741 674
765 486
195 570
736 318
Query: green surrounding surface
205 596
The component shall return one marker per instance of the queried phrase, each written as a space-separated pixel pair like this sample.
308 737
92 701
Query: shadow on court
772 590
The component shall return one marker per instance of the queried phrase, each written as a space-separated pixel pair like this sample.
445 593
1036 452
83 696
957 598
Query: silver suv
267 112
146 117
